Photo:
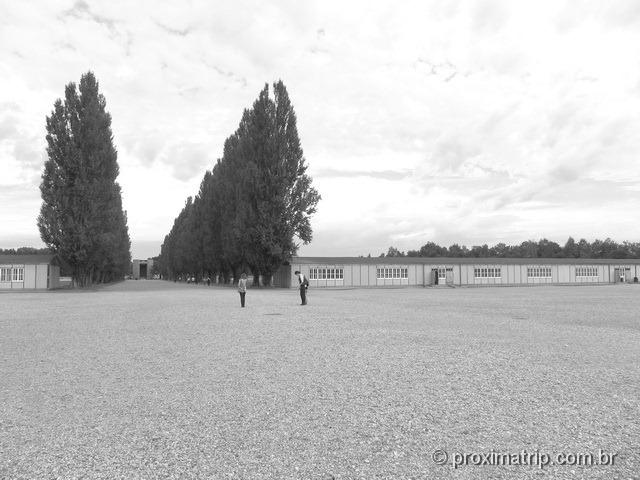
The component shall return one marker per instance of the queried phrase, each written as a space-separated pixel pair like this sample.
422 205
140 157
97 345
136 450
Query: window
489 272
317 273
392 273
18 274
587 271
539 272
5 274
442 273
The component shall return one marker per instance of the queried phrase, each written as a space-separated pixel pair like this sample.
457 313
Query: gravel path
150 379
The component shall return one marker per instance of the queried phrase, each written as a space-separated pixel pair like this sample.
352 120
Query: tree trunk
266 278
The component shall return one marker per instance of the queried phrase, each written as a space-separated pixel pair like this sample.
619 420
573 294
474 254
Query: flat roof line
464 261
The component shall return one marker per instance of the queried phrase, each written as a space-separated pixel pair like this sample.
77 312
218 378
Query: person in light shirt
242 288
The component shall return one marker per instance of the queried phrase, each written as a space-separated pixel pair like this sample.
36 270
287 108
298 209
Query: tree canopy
24 251
81 218
254 206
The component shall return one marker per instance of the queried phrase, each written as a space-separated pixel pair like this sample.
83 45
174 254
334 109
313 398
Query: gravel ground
149 379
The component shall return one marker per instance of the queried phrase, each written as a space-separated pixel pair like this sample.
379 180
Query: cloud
451 152
174 31
489 16
7 128
619 14
23 150
188 160
30 153
498 120
563 175
21 206
392 175
227 74
11 240
444 70
81 10
142 249
145 146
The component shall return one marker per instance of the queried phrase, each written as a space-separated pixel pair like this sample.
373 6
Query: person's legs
242 294
303 294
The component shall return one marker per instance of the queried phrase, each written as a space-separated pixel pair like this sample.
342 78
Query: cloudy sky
448 121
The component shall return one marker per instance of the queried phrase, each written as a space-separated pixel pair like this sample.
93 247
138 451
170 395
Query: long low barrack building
29 272
450 271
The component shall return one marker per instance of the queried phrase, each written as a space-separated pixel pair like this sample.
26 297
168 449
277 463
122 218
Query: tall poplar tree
255 205
81 218
281 194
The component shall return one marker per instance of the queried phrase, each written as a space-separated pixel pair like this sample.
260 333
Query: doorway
622 274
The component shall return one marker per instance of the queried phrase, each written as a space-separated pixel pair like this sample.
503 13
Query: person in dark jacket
304 284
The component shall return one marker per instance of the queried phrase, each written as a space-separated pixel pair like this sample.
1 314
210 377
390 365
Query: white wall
364 274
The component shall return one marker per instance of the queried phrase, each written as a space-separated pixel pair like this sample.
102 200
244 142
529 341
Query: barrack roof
31 259
461 261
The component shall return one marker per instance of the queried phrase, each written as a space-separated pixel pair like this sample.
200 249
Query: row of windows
586 271
326 273
539 272
8 274
490 272
392 273
533 272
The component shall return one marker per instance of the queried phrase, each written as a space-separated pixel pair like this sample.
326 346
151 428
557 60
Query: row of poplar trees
81 218
253 207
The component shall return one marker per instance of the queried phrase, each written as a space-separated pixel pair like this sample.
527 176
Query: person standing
242 288
304 284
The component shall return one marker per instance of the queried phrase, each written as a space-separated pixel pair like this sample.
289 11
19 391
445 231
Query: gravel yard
151 379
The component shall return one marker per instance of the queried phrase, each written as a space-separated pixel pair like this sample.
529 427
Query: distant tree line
529 249
81 218
252 205
25 251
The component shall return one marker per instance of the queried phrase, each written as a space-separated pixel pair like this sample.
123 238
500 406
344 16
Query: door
619 274
449 276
